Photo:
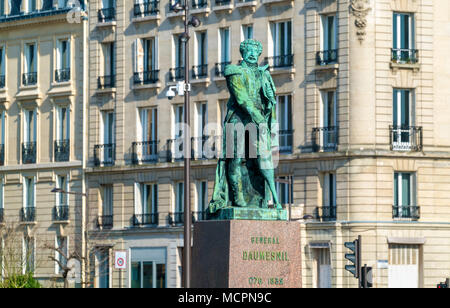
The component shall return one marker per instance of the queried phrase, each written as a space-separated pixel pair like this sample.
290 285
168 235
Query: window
179 50
329 196
328 40
62 142
2 192
48 5
403 129
201 68
61 253
146 204
62 72
201 118
223 111
2 66
28 257
404 39
31 6
62 198
103 268
283 190
224 45
2 7
146 148
107 132
179 197
328 120
14 7
29 192
29 129
282 44
247 32
202 199
405 196
178 120
107 73
148 268
284 117
2 138
107 200
146 60
30 65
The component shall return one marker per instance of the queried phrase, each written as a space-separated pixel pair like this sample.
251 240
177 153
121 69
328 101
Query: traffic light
366 277
354 257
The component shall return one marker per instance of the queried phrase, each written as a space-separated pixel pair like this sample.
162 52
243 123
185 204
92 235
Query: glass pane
135 275
160 275
406 189
147 274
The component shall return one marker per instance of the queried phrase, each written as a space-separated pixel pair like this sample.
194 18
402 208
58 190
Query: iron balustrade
326 213
200 216
28 152
285 141
61 213
2 154
325 138
406 211
105 82
2 81
105 221
62 150
200 71
107 14
326 57
104 154
29 79
28 214
177 73
145 219
282 61
405 56
146 9
2 217
223 2
405 138
146 77
176 218
145 151
198 4
62 75
204 147
220 68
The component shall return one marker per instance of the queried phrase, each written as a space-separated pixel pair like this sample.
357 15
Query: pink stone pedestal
246 254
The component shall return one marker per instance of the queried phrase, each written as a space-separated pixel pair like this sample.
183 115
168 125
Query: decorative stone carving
360 9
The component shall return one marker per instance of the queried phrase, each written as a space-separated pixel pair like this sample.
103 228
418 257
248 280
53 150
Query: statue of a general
245 173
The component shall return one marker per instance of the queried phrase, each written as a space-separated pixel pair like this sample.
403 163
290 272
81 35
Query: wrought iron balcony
204 147
61 213
405 56
62 75
29 79
199 216
283 61
222 2
175 149
200 71
28 152
220 68
326 213
406 138
147 77
325 139
105 82
62 150
107 15
2 81
146 9
104 154
176 218
2 217
145 151
177 73
145 219
28 214
406 211
326 57
2 154
285 141
198 4
105 221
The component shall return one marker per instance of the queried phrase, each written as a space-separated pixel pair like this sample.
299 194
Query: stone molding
359 9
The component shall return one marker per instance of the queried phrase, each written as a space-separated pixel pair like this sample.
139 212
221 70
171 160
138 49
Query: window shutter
137 199
139 56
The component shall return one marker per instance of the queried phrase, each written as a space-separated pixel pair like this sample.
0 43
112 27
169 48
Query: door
403 268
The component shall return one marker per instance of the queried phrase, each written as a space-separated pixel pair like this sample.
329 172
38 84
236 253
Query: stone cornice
40 18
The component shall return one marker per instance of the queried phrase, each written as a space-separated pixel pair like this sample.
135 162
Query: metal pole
187 158
358 267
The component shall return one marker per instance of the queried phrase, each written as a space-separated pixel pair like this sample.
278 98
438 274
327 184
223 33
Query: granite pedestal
246 254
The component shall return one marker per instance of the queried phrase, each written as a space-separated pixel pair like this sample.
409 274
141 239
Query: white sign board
120 259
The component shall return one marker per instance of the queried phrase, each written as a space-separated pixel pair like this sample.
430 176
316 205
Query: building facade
41 107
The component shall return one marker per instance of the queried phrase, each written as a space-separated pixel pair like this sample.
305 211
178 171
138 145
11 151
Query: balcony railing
406 138
2 217
62 150
61 213
28 214
326 57
406 211
2 81
198 4
405 56
145 219
200 71
326 213
199 216
325 138
145 151
105 221
107 15
222 2
105 82
29 79
204 147
175 149
104 154
283 61
177 73
28 152
62 75
220 68
146 9
2 154
285 141
176 218
147 77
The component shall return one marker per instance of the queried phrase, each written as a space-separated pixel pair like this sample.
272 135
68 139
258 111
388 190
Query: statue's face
251 54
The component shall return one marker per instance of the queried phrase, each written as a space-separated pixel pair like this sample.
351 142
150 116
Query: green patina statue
245 174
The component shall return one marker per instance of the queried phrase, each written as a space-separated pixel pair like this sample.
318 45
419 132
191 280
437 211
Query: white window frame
140 203
224 44
274 47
